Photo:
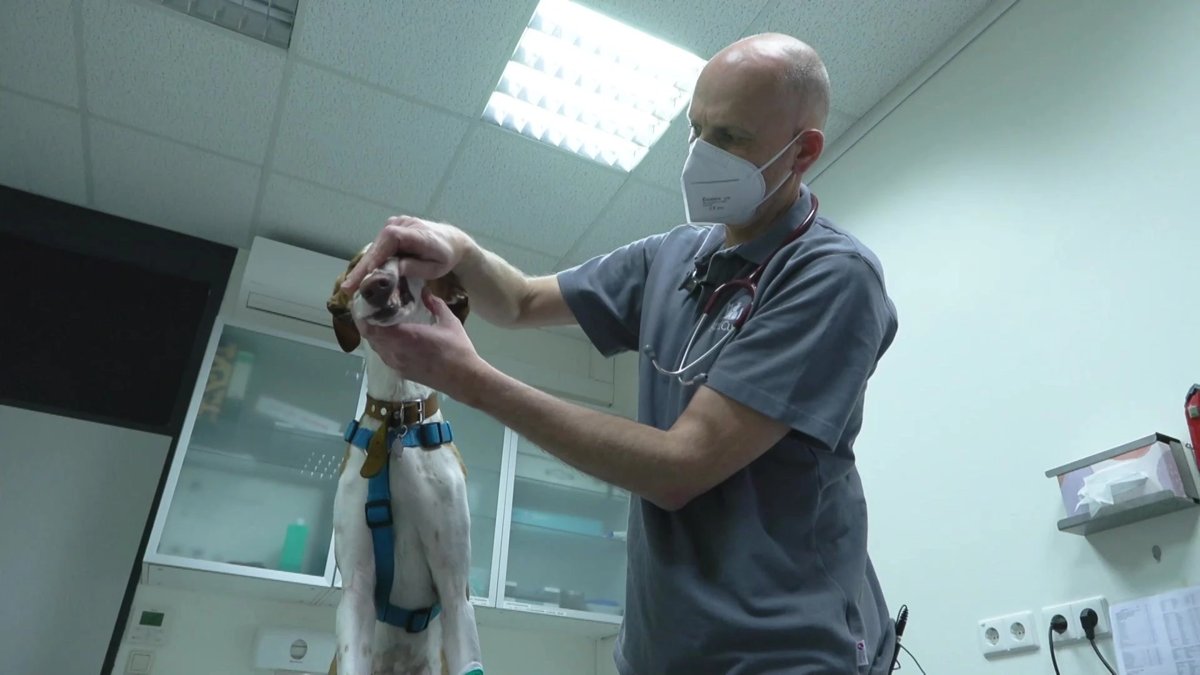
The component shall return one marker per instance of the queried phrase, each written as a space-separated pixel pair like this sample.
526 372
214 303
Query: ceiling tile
302 214
37 49
702 27
446 53
530 262
637 211
159 182
869 46
332 222
41 149
517 190
159 70
359 139
837 124
663 165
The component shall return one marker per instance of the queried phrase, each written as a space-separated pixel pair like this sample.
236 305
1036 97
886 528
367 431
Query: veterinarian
748 545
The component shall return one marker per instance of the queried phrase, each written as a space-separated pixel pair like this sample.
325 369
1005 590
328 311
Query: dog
429 518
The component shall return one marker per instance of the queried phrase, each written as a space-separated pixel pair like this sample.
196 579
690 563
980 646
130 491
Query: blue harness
379 519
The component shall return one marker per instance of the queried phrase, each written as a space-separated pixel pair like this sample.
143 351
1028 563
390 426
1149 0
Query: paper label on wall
1158 635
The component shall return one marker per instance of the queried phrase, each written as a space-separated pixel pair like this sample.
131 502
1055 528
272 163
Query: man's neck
781 202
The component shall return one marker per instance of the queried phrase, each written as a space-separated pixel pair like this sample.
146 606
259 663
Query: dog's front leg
355 619
356 623
446 533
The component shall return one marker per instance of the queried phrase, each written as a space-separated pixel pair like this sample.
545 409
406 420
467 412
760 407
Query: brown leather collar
406 413
390 415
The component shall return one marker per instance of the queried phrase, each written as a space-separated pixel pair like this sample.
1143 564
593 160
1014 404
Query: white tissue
1119 482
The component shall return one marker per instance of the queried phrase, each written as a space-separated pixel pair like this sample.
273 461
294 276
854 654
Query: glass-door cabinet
566 539
252 485
251 488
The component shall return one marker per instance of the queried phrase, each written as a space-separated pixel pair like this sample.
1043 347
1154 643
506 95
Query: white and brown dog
425 622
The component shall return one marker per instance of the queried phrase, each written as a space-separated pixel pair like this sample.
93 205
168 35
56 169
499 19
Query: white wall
214 635
1035 208
74 498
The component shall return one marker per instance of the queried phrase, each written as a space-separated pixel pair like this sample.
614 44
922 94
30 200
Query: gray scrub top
768 571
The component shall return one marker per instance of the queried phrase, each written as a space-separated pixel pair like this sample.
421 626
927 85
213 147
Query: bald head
782 63
764 99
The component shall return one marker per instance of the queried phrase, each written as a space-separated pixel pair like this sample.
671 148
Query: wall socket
1071 611
1074 631
1009 634
1098 604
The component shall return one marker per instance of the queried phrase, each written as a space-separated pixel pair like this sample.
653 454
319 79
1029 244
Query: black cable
910 655
1057 625
1053 658
901 622
1101 657
1089 619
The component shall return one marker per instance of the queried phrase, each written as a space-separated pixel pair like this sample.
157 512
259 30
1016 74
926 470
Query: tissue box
1151 465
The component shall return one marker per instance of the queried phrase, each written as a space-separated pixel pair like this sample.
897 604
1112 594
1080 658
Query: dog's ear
338 305
347 334
451 291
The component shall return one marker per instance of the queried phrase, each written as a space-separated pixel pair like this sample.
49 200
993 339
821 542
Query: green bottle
292 557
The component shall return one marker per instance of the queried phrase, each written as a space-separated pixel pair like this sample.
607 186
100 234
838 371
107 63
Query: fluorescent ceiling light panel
268 20
591 85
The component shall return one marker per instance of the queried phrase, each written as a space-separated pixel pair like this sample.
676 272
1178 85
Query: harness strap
378 512
428 435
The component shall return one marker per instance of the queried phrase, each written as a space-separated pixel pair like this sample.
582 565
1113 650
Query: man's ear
347 334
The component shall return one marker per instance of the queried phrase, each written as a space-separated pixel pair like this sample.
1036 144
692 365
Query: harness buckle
378 513
433 435
418 620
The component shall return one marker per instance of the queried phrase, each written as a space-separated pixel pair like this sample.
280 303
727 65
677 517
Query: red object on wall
1192 410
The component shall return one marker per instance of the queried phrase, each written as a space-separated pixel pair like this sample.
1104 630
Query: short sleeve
605 294
805 353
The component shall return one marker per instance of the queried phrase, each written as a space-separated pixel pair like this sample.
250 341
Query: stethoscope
748 284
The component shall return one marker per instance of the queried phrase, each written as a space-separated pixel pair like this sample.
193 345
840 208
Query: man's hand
427 250
439 356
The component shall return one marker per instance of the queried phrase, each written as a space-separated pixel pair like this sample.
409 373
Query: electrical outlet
1009 633
1074 631
1099 605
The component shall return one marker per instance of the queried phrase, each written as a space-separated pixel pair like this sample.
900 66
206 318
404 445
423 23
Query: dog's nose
378 289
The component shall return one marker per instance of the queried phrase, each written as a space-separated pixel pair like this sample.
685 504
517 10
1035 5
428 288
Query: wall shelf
1170 465
1141 508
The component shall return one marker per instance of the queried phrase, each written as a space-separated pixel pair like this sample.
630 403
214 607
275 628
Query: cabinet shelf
313 467
557 532
613 494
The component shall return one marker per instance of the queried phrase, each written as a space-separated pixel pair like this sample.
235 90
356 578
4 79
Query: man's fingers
437 306
395 236
417 268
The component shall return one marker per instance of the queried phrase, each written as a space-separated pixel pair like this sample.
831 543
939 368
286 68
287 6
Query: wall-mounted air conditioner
288 281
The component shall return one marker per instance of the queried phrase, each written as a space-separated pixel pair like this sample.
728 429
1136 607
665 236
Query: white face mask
720 187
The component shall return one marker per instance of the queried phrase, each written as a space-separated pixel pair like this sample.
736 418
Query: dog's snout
377 289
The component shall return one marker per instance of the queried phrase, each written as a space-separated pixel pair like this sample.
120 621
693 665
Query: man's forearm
637 457
496 288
